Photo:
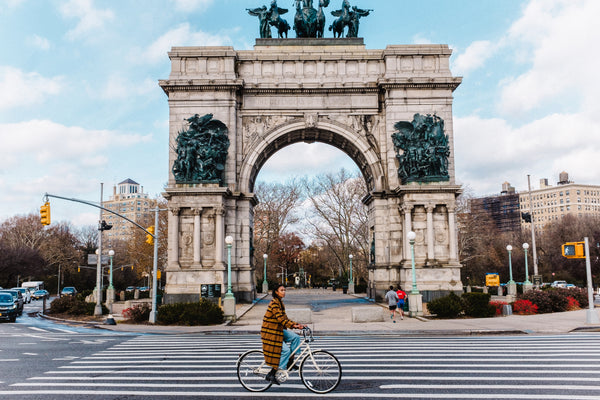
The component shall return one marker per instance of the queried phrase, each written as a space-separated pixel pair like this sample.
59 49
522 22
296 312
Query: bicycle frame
306 352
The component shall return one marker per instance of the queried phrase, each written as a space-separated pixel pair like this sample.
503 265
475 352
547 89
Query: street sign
537 280
93 259
492 279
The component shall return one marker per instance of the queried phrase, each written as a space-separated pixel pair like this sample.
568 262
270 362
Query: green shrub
74 306
204 312
558 300
579 294
540 298
446 307
138 313
477 305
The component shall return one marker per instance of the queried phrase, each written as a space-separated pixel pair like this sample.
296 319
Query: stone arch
335 134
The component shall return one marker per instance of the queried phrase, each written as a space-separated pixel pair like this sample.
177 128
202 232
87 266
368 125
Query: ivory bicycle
319 370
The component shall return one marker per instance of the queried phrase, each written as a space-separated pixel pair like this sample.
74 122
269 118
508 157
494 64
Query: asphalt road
46 360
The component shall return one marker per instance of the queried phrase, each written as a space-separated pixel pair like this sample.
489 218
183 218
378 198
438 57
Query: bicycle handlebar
307 334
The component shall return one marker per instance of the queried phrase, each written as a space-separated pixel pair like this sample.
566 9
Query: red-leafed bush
524 307
498 305
573 304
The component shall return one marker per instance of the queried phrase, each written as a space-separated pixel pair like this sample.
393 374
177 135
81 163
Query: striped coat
271 332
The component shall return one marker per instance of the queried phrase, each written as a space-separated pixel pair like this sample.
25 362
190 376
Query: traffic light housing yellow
150 238
158 274
573 250
45 213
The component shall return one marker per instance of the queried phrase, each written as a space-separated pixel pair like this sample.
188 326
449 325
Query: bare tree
273 217
338 219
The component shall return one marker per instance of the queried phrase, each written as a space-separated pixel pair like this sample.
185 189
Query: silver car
25 292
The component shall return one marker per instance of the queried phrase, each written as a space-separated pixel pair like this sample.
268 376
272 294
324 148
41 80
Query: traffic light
104 226
526 216
158 274
150 238
45 213
573 250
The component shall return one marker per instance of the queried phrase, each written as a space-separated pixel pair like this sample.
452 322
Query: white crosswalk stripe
544 367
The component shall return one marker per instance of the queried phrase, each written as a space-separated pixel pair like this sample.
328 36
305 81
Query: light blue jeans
290 341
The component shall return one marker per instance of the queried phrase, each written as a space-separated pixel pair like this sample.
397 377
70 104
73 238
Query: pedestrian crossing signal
573 250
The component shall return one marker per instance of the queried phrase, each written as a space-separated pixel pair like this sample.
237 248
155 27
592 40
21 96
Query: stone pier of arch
334 91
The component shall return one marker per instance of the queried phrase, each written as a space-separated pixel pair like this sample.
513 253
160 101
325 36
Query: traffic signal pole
152 318
154 235
591 315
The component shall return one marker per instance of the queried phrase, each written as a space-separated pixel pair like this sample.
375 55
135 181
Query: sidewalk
331 315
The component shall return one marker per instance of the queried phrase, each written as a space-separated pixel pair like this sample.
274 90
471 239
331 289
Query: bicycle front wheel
320 372
252 370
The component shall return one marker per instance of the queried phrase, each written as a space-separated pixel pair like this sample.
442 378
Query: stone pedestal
415 305
512 289
229 308
110 299
527 287
351 288
265 288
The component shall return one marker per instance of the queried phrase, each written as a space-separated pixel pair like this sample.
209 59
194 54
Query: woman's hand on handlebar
299 326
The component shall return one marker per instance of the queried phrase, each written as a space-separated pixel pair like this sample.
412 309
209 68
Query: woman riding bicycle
277 340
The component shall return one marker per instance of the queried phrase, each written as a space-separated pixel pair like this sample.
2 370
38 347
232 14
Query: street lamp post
351 280
415 299
526 285
512 286
265 286
229 300
110 292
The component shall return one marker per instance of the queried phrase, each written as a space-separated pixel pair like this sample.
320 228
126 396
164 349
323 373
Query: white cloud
474 57
559 38
18 88
420 39
491 151
39 42
302 159
182 35
45 143
191 5
90 18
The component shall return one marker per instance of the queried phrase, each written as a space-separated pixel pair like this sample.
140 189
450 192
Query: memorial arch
333 91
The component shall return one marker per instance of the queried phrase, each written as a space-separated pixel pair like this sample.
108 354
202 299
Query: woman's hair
274 293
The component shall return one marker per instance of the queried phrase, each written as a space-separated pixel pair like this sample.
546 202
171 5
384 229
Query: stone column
452 233
197 236
407 208
219 235
174 236
430 234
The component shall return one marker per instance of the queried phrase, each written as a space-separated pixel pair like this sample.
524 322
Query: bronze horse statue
321 18
343 21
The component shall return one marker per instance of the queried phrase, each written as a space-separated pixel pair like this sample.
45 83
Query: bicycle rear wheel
252 370
320 372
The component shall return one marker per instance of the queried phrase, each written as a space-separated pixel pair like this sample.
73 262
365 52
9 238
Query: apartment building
128 199
550 203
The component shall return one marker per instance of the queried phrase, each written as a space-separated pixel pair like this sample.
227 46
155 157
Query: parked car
68 291
130 288
144 289
8 308
570 286
25 293
40 294
556 284
17 297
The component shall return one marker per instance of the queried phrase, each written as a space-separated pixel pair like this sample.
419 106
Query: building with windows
503 209
550 203
129 200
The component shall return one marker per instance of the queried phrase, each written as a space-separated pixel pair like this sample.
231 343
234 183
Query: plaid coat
271 332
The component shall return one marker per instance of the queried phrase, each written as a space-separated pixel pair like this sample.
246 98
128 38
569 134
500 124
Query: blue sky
80 102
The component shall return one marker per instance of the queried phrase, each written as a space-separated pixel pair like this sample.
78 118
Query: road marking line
279 394
38 329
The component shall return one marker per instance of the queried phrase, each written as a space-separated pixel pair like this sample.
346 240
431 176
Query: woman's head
279 292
